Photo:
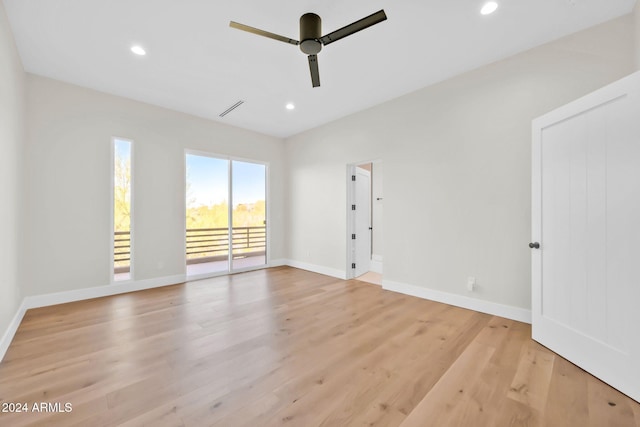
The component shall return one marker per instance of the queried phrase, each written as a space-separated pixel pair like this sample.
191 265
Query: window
122 209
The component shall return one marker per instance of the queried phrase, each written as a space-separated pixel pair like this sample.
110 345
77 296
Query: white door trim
350 218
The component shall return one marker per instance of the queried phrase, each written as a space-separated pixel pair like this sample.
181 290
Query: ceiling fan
311 40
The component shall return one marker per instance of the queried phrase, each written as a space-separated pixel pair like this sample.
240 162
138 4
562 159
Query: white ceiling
198 65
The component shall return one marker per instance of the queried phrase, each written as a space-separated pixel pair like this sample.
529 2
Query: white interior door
586 218
362 221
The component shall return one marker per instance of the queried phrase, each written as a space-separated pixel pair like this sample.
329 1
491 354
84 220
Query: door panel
248 195
207 215
586 216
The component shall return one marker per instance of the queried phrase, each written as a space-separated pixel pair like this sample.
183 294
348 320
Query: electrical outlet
471 283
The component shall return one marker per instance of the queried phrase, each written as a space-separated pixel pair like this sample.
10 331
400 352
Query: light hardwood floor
289 347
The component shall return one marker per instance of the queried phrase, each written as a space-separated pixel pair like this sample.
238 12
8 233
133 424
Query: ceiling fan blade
313 67
354 27
263 33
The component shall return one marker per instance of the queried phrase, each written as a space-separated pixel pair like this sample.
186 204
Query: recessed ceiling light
290 106
489 7
138 50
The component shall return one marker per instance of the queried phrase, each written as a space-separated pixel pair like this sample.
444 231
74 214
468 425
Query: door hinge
353 177
353 265
353 207
353 236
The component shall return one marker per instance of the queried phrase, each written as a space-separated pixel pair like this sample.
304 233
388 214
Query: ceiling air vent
230 109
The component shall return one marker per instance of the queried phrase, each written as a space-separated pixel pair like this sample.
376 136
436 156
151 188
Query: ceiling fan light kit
311 38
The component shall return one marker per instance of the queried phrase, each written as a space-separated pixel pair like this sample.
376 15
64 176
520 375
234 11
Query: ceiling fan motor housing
310 33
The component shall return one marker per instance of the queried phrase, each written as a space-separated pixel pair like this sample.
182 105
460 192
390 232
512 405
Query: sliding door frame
230 160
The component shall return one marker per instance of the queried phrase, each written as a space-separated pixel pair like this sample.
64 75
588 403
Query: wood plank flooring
286 347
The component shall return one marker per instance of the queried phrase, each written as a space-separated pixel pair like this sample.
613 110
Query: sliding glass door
248 195
207 231
225 215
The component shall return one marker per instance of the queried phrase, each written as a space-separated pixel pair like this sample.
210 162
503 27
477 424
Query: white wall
377 209
457 168
636 16
12 126
68 188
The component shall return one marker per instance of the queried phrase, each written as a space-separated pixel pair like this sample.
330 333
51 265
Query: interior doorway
364 221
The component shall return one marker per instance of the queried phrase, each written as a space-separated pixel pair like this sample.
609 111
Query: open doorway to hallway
364 225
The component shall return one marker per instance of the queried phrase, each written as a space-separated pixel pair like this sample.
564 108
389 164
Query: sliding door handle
534 245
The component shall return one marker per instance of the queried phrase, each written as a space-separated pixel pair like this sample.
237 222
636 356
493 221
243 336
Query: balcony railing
203 245
212 244
121 251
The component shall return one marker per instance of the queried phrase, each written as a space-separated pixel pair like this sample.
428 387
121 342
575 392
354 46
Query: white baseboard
327 271
45 300
100 291
79 295
277 262
11 330
376 264
496 309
